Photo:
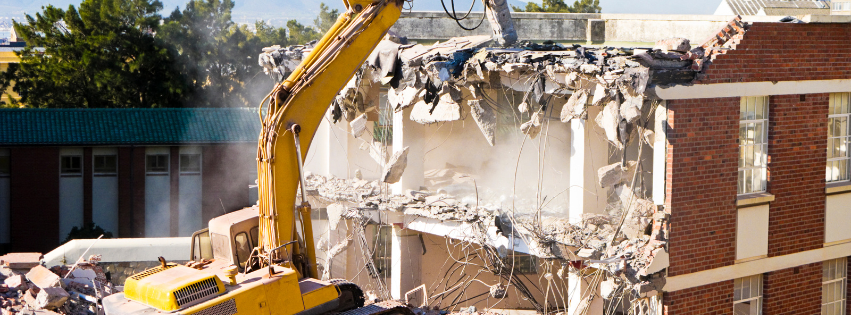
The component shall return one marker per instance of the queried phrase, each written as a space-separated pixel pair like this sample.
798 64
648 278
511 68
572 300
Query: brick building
757 178
133 172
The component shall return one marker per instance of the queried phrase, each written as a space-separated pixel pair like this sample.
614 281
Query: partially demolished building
679 178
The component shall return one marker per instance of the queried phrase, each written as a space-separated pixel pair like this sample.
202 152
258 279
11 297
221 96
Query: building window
841 6
71 165
105 164
5 167
382 130
524 263
156 163
833 286
190 164
837 137
382 255
753 144
747 295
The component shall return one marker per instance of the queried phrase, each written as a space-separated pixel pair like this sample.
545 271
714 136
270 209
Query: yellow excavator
262 260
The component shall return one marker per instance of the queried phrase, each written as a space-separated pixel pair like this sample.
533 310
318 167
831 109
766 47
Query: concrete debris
446 109
610 119
616 173
21 261
335 213
575 106
395 167
50 298
16 283
358 125
532 127
485 118
673 44
43 277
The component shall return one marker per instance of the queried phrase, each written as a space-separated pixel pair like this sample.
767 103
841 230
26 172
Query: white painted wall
752 232
837 217
105 195
328 151
5 204
70 196
157 199
190 194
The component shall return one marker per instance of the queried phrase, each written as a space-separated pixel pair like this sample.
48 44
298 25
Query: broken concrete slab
50 298
16 282
575 106
335 212
43 277
485 118
609 119
395 167
358 125
445 110
21 260
630 110
677 44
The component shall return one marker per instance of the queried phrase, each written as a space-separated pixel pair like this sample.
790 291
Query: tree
558 6
103 55
326 18
300 34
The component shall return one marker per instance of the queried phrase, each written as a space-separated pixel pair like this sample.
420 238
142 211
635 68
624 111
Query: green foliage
87 231
102 55
116 53
558 6
326 18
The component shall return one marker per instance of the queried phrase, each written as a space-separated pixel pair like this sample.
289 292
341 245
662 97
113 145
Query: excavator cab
230 237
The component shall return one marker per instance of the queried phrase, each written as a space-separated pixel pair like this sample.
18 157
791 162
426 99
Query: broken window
833 286
837 137
71 165
156 163
753 144
747 295
190 164
525 263
105 164
383 249
383 128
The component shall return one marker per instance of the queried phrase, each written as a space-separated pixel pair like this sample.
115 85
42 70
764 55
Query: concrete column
407 133
578 291
406 267
577 170
660 154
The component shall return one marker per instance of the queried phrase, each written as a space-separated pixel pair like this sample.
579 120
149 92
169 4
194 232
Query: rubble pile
73 290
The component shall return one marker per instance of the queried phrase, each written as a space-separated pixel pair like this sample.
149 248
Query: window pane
751 105
190 163
70 164
105 164
751 133
743 109
4 165
243 249
760 108
157 163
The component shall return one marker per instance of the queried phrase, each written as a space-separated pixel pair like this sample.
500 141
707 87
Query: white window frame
65 173
4 153
750 124
738 284
190 172
838 159
834 271
148 171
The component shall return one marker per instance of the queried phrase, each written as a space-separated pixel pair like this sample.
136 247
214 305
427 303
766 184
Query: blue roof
128 126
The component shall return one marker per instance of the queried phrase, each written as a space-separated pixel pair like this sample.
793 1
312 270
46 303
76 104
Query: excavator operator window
254 236
243 249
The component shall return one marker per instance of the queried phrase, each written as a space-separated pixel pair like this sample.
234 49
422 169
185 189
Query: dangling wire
455 17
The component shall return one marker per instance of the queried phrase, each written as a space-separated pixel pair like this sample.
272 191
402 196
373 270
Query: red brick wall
34 199
793 291
701 186
87 184
225 178
131 192
716 298
174 180
797 153
786 52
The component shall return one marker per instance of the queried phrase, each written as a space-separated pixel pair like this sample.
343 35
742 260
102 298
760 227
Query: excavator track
351 295
381 308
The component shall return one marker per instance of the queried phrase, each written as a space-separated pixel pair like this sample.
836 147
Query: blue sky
306 10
